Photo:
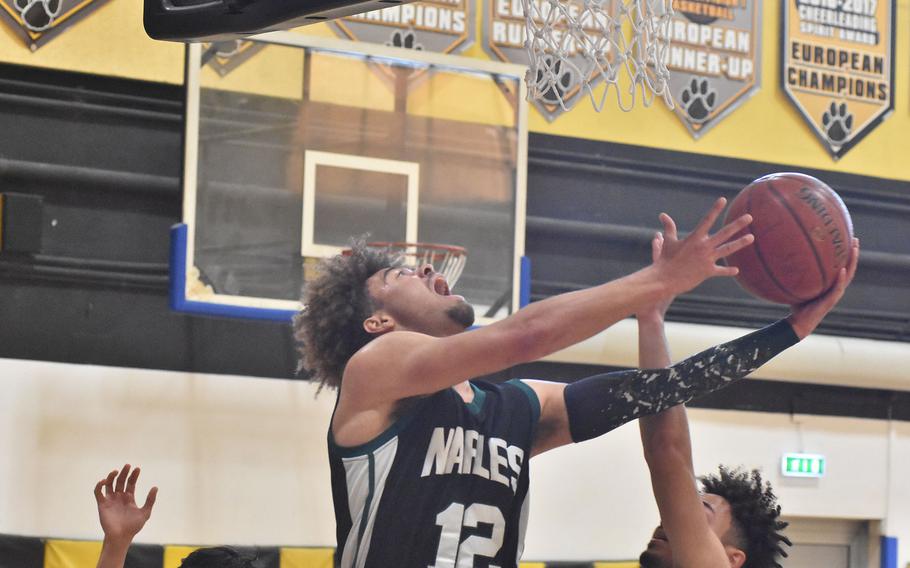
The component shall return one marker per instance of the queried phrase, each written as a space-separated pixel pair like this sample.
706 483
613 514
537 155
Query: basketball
803 236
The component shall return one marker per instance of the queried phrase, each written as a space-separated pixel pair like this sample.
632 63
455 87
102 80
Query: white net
595 46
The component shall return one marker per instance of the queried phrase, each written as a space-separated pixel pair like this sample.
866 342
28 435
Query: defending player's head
217 557
360 296
742 511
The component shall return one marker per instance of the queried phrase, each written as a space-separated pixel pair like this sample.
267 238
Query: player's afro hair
218 557
329 328
756 515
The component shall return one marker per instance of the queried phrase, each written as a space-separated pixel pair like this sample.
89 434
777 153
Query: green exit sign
802 465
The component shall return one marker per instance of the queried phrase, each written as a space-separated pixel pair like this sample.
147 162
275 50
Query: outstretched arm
594 406
668 451
121 519
401 365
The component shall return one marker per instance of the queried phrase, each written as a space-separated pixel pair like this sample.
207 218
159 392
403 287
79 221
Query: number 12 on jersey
452 552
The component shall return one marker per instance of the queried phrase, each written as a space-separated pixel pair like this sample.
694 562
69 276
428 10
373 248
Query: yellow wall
109 41
766 128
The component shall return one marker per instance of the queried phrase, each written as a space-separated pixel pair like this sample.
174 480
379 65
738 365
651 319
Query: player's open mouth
440 286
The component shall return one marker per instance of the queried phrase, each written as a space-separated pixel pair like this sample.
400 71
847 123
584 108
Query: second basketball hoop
604 43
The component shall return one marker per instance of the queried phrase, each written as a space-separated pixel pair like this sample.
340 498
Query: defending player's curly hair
329 329
217 557
756 515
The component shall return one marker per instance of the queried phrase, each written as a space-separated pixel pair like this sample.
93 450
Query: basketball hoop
448 260
578 44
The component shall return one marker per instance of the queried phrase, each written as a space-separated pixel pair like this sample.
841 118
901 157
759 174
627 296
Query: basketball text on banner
838 66
225 56
444 26
714 59
39 21
504 33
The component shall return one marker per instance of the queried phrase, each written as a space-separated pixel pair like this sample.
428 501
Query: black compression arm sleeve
601 403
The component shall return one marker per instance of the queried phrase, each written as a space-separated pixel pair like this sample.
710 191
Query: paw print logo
38 15
698 99
838 122
554 78
407 40
229 48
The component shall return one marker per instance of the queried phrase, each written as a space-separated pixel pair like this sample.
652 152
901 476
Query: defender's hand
805 317
655 313
120 517
686 263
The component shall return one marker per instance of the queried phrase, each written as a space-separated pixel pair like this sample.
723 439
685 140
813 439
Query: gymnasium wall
766 128
222 445
242 461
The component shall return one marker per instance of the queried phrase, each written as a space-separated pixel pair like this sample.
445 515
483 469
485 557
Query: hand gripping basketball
686 263
805 317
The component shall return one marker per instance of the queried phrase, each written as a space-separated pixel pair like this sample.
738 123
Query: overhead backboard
223 20
312 141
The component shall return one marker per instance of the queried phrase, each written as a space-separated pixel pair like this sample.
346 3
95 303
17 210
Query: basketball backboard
222 20
314 141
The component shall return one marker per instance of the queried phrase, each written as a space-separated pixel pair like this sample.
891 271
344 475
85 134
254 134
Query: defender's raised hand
686 263
120 517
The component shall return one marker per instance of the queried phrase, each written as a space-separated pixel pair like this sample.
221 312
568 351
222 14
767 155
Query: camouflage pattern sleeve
601 403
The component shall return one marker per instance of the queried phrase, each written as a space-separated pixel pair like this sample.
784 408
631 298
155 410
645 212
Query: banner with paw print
504 33
39 21
714 59
838 66
225 56
444 26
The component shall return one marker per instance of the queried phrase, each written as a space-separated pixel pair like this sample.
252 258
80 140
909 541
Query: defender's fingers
109 483
669 226
99 497
732 228
833 296
841 284
729 248
708 220
725 270
854 261
121 479
131 482
150 500
657 244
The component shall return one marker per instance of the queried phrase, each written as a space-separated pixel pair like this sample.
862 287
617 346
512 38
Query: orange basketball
802 232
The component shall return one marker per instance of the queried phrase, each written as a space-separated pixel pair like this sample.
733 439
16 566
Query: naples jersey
445 486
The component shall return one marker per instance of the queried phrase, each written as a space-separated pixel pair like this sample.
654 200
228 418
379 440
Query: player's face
719 517
420 300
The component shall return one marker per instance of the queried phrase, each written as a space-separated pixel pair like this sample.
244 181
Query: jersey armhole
368 447
532 397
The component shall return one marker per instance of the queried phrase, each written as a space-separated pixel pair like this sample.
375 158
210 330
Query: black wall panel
105 154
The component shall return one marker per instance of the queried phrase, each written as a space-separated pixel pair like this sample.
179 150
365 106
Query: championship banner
225 56
504 39
838 66
444 26
39 21
714 59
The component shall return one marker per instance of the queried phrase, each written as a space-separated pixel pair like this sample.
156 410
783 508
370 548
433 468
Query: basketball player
122 519
430 468
735 522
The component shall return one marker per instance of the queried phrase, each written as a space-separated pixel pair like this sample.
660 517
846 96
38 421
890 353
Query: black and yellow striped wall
36 552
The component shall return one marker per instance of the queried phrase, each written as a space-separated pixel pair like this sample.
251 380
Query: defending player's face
420 300
719 517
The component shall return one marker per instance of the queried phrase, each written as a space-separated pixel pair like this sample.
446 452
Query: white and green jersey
446 486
